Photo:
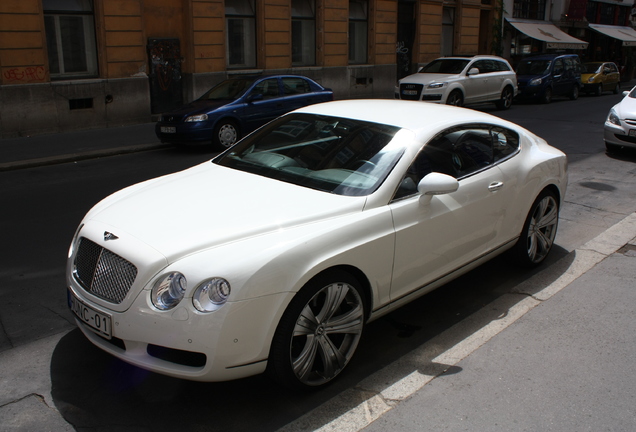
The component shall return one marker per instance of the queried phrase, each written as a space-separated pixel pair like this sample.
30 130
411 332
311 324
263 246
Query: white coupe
274 255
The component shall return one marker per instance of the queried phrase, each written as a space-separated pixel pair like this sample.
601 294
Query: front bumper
619 136
184 133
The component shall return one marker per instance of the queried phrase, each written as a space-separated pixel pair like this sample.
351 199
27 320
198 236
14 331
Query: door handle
495 186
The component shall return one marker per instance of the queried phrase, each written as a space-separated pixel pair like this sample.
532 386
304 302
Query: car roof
548 56
413 115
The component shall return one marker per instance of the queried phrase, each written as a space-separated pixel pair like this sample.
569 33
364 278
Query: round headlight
211 295
169 290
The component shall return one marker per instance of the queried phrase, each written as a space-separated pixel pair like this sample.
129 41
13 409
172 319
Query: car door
263 103
612 77
476 86
436 235
560 83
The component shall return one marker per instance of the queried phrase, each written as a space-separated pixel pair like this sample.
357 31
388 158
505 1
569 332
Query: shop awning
625 34
554 37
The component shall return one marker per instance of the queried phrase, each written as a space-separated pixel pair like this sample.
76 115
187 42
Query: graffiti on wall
27 74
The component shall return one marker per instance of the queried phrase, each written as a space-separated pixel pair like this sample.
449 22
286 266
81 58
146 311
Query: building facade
76 64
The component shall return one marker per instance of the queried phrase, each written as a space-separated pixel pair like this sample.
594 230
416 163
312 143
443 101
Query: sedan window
295 85
268 88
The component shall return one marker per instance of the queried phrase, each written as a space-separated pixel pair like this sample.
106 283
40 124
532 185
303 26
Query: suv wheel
505 102
455 98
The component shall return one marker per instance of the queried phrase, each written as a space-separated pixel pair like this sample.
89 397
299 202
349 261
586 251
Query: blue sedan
236 107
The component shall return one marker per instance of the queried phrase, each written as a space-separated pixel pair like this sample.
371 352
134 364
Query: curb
74 157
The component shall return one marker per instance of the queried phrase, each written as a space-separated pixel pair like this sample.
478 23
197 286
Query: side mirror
473 71
437 184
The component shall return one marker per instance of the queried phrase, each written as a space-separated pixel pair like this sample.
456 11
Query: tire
547 96
505 102
455 98
539 231
617 88
574 94
226 134
598 90
319 331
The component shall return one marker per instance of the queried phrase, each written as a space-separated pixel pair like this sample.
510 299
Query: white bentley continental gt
274 255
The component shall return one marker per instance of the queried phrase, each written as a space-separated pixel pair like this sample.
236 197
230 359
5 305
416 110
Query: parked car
461 81
545 76
237 106
620 125
274 255
598 77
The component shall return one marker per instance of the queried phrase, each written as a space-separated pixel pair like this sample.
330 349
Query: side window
502 67
268 88
558 67
459 152
292 86
505 143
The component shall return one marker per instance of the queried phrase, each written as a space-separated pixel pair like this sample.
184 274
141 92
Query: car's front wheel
319 332
598 90
617 88
455 98
226 134
547 96
539 231
574 94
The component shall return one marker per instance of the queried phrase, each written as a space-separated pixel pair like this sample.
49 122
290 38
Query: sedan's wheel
455 98
506 99
598 90
539 231
225 134
547 96
319 332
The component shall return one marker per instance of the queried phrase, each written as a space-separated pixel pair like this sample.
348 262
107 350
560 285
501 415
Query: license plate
409 92
168 129
99 322
632 132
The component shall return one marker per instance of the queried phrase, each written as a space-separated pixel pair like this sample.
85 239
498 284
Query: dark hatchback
237 106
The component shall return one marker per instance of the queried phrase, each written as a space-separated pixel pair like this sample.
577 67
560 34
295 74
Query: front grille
411 91
630 122
103 273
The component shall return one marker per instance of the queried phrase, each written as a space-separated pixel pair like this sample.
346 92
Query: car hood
197 107
209 205
427 78
626 108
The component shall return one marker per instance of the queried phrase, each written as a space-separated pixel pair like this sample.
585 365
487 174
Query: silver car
620 125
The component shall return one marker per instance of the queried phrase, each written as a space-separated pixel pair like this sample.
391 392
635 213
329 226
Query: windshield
228 89
591 68
445 66
332 154
534 67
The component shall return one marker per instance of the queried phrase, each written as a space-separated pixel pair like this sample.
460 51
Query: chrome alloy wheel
326 333
542 229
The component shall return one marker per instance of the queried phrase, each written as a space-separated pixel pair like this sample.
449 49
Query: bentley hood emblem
109 236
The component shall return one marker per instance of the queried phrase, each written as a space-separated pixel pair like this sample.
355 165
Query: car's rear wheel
505 102
539 231
547 96
226 134
319 332
455 98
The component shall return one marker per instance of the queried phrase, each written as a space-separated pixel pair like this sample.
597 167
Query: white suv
461 80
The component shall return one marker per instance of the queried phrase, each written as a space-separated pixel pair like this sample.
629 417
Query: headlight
590 79
197 118
536 81
436 85
613 118
169 290
211 295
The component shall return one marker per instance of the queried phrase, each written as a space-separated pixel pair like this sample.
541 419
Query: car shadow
625 154
92 389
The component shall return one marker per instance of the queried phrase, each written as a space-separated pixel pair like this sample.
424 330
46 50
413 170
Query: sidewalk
40 150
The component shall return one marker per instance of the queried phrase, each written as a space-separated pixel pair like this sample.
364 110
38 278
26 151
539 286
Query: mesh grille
103 273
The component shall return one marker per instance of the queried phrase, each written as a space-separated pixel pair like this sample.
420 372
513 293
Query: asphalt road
42 207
